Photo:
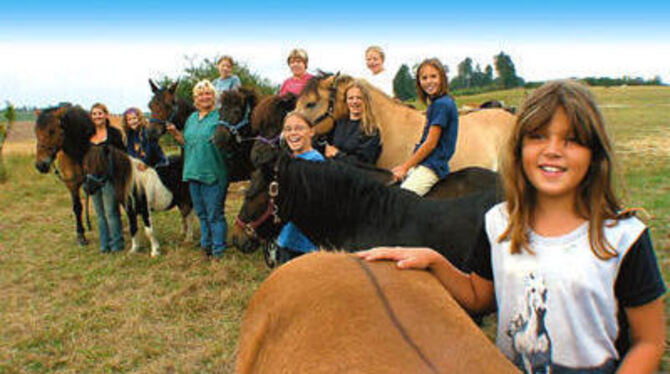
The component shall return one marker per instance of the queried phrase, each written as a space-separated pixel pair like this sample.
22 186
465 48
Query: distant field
70 309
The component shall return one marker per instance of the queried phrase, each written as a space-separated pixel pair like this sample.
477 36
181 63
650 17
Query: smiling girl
573 274
297 61
430 161
297 133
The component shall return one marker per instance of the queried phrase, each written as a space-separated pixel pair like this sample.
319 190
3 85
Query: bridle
271 211
235 128
332 94
171 117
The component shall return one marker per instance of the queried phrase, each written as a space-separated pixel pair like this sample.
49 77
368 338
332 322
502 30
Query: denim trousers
109 218
208 201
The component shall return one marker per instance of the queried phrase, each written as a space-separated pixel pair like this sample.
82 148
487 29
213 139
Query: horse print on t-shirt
530 340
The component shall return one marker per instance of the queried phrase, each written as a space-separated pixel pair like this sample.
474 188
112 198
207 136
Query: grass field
69 309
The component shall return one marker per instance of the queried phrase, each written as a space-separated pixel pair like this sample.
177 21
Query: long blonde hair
596 201
368 120
140 117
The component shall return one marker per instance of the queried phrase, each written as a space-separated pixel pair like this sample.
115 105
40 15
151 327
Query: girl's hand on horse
141 167
405 257
399 173
331 151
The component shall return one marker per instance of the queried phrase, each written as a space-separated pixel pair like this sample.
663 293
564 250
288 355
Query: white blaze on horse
137 190
333 313
480 134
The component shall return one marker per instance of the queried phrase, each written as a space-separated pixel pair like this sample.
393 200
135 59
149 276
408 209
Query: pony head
323 100
163 106
234 115
66 128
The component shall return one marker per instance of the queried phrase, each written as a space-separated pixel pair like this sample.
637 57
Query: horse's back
330 312
481 135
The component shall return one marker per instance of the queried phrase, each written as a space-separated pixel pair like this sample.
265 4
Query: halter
171 116
331 103
271 211
235 129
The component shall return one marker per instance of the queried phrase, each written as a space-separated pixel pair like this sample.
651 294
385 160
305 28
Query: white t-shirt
558 307
382 81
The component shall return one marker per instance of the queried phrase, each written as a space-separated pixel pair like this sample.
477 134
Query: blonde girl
356 137
561 257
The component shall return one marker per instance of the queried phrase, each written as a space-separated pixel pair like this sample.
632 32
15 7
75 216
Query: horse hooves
81 240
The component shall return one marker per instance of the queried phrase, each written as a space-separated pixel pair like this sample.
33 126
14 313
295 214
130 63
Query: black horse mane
341 207
77 127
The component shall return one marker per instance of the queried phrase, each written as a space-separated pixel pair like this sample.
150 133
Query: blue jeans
208 201
109 218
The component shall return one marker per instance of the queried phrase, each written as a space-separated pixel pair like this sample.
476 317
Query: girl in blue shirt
430 161
297 132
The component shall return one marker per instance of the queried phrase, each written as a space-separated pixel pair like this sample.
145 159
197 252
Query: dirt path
21 139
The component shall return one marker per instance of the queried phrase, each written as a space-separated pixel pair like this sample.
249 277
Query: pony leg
132 223
149 232
77 210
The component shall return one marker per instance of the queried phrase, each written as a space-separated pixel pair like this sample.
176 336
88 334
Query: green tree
206 69
10 115
403 84
506 71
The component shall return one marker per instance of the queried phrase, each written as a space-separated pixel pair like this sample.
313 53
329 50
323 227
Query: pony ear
38 112
154 87
173 87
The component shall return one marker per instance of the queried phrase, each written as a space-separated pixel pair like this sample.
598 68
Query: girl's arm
424 150
647 325
471 291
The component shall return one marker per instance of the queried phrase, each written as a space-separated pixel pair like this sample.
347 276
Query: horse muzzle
43 166
242 241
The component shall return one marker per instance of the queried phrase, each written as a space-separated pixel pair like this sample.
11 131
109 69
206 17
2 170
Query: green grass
70 309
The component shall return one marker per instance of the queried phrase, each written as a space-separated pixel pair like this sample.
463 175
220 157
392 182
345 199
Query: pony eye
310 105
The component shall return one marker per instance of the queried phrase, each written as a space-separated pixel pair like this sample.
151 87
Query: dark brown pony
165 107
139 191
338 206
333 313
235 135
63 135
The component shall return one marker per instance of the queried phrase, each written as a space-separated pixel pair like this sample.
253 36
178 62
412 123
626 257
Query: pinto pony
480 134
63 135
331 313
138 191
339 206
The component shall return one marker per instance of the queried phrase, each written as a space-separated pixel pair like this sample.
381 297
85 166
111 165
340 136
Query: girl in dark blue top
138 144
355 138
430 161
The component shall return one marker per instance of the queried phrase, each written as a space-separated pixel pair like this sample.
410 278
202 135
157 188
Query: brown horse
165 107
480 134
332 313
63 135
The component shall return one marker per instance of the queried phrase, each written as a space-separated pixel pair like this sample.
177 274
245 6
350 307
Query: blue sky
122 43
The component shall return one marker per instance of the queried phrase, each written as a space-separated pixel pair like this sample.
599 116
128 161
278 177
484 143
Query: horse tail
158 196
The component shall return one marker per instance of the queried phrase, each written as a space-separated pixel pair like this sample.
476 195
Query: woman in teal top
205 169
